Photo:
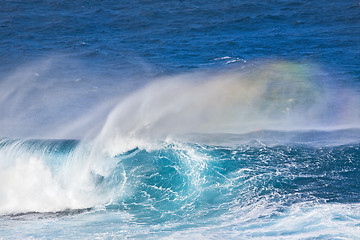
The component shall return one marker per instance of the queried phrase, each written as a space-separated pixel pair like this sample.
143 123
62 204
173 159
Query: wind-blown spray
242 149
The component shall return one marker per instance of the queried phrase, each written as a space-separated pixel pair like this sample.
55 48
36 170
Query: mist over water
58 97
47 101
179 120
269 95
249 101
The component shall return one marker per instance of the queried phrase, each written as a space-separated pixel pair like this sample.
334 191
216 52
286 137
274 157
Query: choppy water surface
179 120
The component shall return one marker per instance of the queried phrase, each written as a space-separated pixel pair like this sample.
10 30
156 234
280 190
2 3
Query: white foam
30 186
33 182
300 221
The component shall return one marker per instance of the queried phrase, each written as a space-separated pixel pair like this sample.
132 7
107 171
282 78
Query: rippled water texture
180 119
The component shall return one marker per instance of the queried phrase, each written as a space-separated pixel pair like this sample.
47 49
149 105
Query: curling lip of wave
65 174
277 95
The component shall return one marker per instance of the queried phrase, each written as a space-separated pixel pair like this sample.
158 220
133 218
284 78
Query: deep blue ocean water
180 119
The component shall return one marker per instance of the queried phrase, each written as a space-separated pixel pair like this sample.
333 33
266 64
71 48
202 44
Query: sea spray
273 152
58 98
213 154
276 95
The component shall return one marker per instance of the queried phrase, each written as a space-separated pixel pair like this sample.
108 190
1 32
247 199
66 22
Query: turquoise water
258 189
179 119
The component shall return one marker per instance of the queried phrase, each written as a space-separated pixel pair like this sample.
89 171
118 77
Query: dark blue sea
180 119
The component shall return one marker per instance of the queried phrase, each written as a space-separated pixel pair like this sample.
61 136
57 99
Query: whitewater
262 151
179 119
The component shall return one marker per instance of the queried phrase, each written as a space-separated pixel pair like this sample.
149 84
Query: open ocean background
180 119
